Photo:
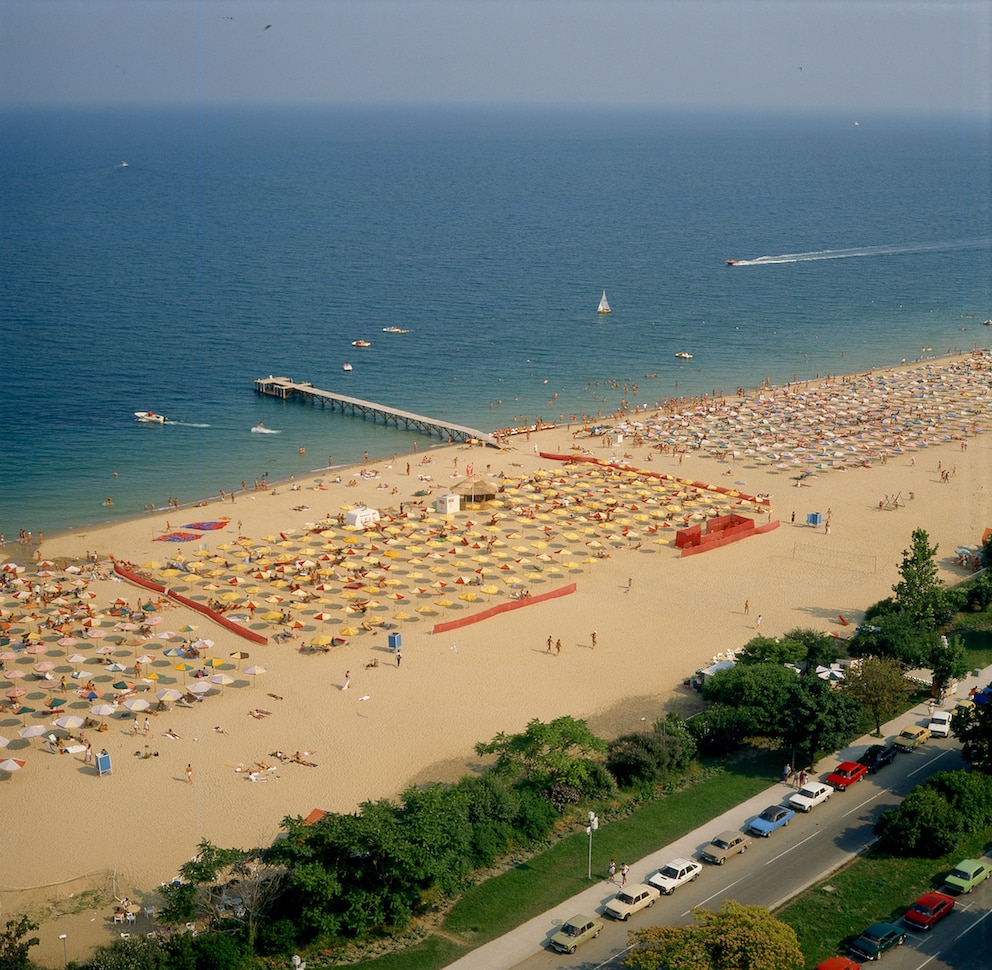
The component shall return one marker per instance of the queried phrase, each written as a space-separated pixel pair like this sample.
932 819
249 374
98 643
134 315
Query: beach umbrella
200 687
145 658
254 670
69 722
238 655
12 764
67 642
213 662
4 741
102 710
168 694
223 679
123 685
323 640
34 731
349 631
95 633
16 692
137 704
14 674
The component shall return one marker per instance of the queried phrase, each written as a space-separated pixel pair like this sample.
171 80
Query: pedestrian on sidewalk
613 870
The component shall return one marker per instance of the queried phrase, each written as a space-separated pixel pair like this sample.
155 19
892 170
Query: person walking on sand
757 622
399 657
147 726
549 645
594 641
347 680
189 774
558 646
747 607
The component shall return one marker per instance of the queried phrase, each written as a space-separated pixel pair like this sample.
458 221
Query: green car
966 875
574 932
875 940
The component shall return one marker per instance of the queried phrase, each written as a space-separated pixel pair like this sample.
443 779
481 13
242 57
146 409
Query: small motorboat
394 330
360 343
346 367
731 262
150 417
684 355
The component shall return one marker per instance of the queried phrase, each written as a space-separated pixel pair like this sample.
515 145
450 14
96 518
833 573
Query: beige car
724 845
630 900
911 738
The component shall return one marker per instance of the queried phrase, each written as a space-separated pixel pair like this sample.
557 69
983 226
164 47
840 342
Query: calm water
237 243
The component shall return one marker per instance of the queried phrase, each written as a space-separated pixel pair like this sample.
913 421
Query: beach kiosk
447 504
363 516
814 519
103 763
395 641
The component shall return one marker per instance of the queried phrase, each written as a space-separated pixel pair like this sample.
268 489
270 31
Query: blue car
773 817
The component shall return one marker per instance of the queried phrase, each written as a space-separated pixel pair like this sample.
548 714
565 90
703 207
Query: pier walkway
285 388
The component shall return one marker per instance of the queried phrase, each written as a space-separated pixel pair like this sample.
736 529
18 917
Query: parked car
967 874
811 795
673 874
878 756
846 774
773 817
930 908
838 963
912 737
574 932
940 724
875 940
630 900
724 845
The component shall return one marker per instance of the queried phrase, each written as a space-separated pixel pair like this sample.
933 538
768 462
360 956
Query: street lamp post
65 949
590 828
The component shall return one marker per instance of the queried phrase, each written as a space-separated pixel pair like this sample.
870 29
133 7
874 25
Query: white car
811 795
673 874
940 724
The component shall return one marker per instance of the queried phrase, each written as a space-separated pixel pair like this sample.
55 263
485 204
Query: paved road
771 872
773 869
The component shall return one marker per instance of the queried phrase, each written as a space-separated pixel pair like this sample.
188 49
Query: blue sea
236 243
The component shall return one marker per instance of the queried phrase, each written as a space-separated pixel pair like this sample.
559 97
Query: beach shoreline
658 618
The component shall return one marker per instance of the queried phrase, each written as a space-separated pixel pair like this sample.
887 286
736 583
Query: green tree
816 718
755 690
880 686
919 592
894 635
973 728
772 650
923 824
545 755
738 937
821 649
947 660
15 943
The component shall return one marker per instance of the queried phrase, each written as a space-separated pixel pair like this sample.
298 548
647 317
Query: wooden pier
285 388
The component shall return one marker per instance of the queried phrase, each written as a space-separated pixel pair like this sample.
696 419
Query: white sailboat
604 306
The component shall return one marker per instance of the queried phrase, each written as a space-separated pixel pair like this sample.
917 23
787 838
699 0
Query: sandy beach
870 455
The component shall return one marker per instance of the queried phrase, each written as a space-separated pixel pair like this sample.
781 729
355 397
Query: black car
875 940
878 756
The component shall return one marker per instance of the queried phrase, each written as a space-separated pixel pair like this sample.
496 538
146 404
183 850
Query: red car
839 963
930 908
845 774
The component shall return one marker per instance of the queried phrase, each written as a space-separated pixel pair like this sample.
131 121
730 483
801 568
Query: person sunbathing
172 734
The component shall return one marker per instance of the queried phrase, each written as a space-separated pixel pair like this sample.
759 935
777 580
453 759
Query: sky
856 56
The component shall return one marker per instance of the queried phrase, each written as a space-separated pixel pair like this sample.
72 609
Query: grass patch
875 888
497 905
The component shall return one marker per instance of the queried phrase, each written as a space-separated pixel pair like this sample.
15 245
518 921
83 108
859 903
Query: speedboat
346 367
360 343
684 355
150 417
731 262
394 330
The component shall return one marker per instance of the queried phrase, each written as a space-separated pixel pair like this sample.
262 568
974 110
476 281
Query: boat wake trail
862 251
258 429
187 424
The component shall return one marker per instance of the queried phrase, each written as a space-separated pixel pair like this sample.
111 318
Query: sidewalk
527 939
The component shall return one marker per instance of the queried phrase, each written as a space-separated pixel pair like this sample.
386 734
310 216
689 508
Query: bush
536 818
650 758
